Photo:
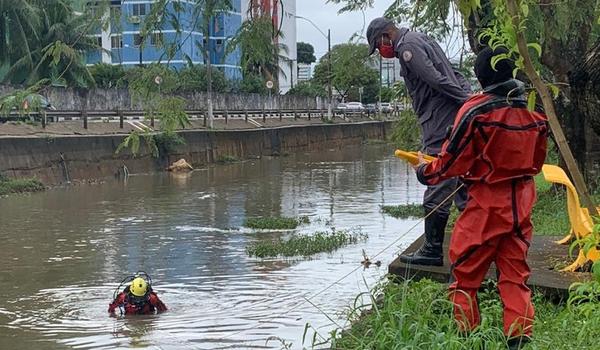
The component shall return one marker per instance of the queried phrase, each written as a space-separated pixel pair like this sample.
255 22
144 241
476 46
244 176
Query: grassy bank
8 186
417 315
275 223
305 245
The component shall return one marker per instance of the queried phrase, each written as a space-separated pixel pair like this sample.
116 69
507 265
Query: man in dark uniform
437 92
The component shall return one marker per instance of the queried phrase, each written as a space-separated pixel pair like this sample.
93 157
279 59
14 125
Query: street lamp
329 90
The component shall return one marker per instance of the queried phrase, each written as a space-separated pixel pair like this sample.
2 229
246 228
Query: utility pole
380 78
329 109
209 78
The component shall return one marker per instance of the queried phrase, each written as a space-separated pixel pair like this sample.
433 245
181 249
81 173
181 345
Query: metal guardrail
55 116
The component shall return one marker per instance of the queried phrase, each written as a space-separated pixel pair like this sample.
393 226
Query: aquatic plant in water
305 245
275 223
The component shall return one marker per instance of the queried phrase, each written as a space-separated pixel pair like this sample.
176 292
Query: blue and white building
121 39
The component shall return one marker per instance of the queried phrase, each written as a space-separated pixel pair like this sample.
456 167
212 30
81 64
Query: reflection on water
64 252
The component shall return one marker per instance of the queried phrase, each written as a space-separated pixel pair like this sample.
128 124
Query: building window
115 13
116 42
219 45
156 39
139 10
99 41
137 40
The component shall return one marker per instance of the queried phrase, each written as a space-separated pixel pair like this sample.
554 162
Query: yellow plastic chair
581 222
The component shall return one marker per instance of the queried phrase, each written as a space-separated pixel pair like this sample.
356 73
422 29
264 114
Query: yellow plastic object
412 157
581 222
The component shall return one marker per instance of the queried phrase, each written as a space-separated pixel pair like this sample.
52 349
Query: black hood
511 88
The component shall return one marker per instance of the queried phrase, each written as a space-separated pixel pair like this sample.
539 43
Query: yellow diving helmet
138 287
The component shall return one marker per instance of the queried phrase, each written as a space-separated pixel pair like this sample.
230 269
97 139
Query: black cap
487 75
375 29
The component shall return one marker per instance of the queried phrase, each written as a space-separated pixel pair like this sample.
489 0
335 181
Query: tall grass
305 245
418 315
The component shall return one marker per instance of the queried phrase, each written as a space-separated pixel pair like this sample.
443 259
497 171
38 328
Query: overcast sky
325 17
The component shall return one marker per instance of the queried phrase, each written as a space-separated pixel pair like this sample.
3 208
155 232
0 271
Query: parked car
371 108
385 107
341 107
354 107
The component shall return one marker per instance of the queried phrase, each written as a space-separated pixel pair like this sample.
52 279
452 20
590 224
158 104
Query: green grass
8 186
404 211
305 245
418 315
276 223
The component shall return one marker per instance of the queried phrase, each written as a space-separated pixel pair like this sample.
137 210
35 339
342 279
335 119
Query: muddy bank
55 160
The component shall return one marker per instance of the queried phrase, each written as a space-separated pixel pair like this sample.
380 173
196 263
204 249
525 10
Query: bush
253 84
8 186
308 89
108 76
194 78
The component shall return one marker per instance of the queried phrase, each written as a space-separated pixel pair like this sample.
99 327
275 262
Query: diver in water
137 298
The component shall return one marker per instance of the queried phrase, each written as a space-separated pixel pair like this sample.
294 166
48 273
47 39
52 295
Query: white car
355 107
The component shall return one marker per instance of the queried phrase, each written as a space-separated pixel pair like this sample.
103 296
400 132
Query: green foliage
308 88
306 53
404 211
253 84
108 76
305 245
275 223
194 78
350 70
260 52
143 87
418 315
406 133
23 101
46 40
388 94
8 186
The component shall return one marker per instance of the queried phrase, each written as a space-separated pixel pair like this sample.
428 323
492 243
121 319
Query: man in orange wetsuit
496 146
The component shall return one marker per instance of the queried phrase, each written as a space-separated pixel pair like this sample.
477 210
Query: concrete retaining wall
111 99
54 160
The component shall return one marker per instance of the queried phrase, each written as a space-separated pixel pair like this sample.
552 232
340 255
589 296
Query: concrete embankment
58 159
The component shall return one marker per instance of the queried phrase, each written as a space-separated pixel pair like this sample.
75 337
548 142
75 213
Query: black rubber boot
431 252
518 343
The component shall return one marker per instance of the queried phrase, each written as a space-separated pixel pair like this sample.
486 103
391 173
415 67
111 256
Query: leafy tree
55 44
566 33
308 88
349 69
260 52
387 94
306 53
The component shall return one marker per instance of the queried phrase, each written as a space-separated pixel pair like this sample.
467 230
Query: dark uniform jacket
436 89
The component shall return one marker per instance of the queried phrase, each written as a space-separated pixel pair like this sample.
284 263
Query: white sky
343 26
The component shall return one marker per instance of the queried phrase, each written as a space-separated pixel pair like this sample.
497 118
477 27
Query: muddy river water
63 252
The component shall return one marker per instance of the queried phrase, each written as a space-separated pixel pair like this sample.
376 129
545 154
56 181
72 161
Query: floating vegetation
404 211
276 223
305 245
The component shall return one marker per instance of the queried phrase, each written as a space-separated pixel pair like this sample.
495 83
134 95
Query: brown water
64 251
